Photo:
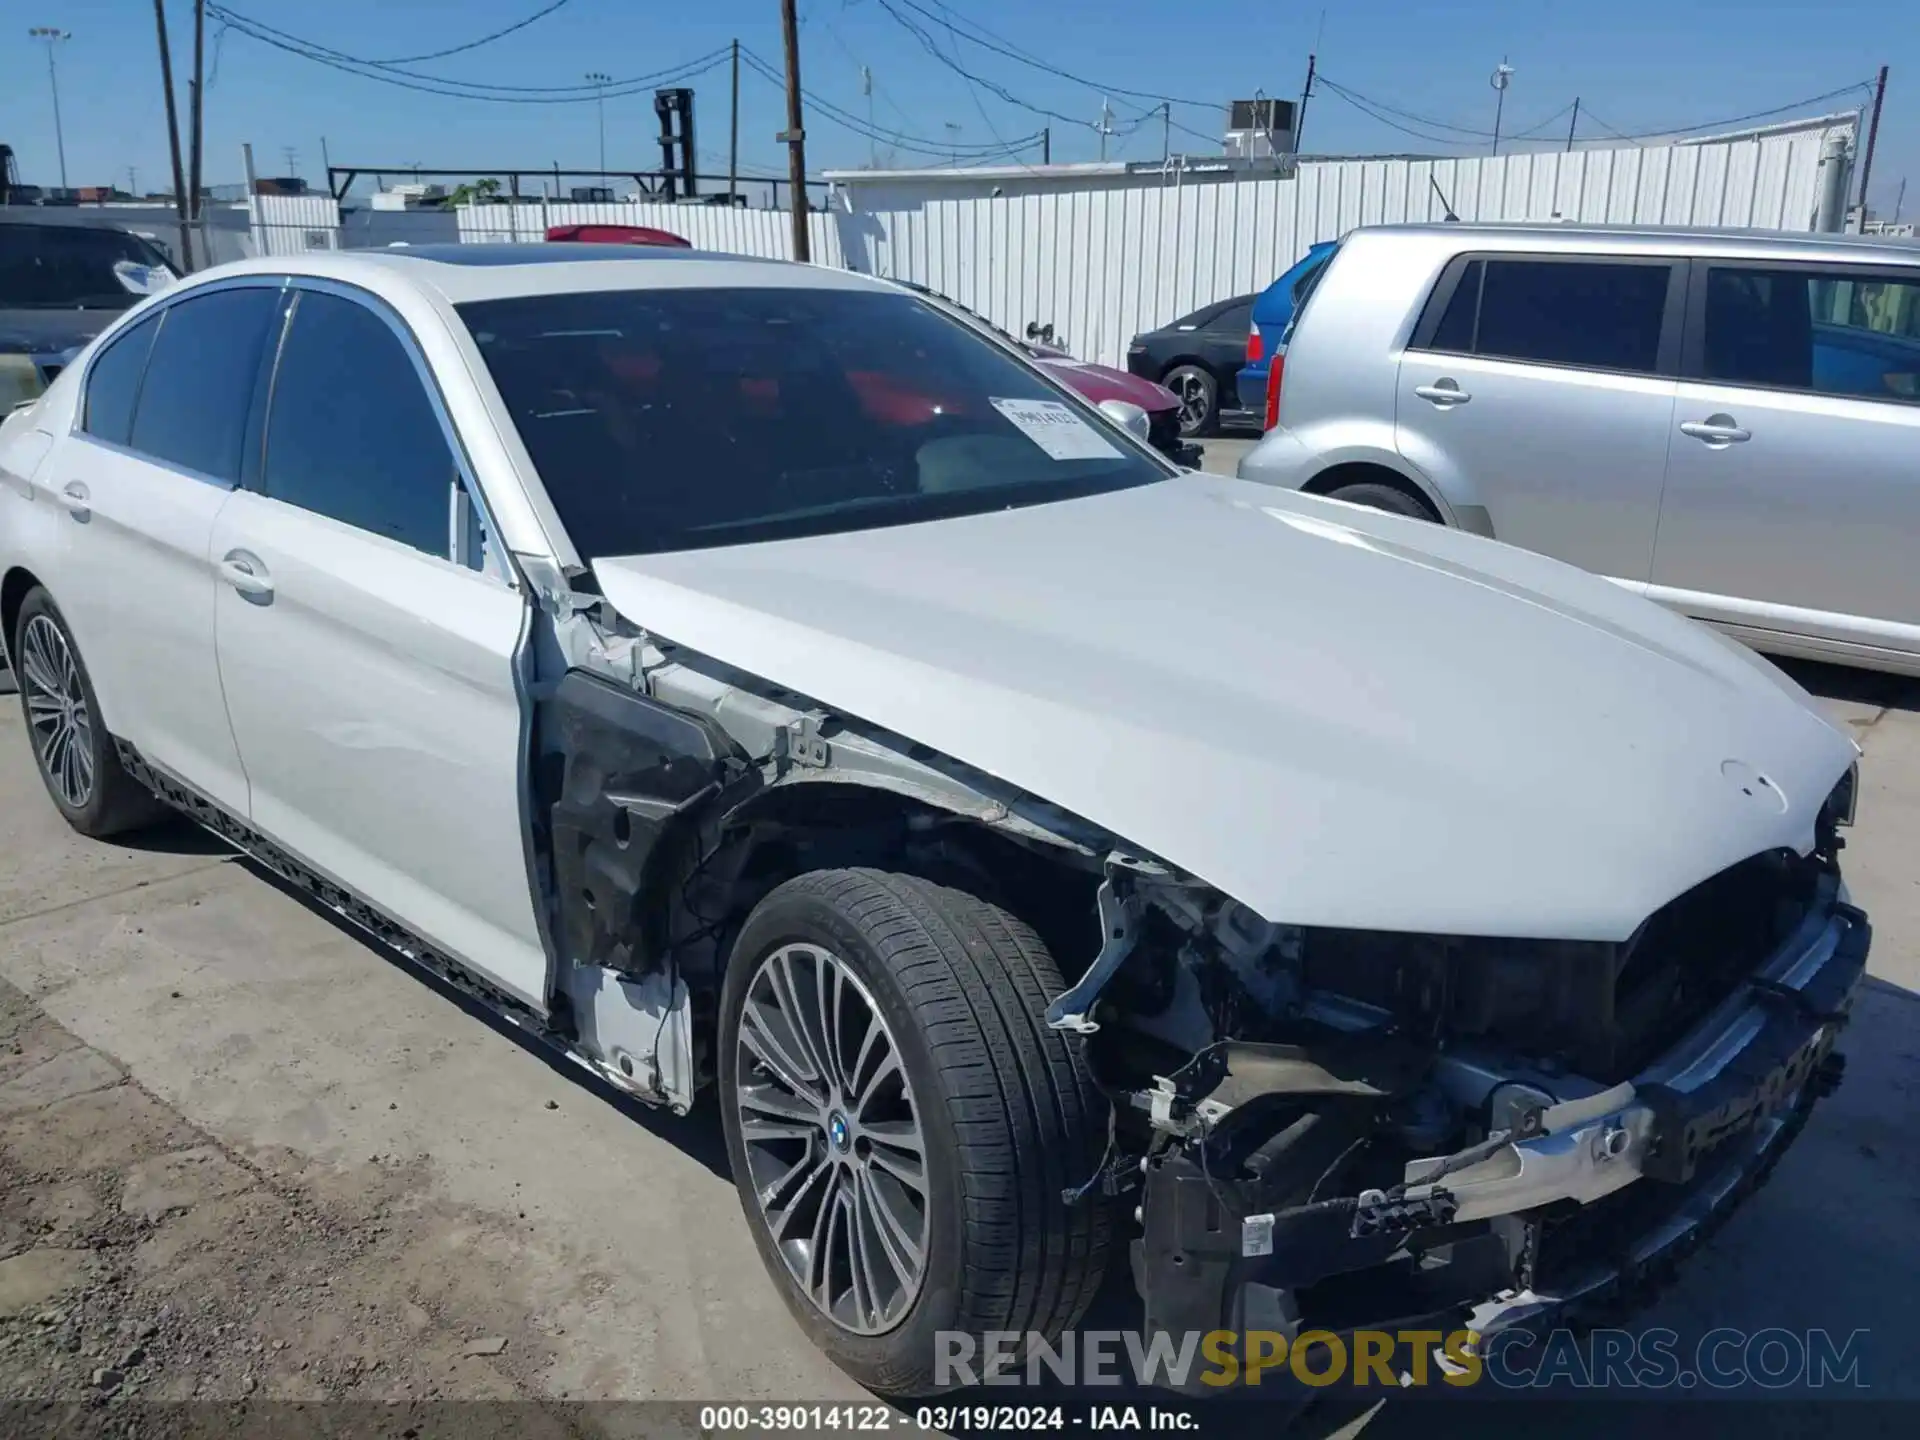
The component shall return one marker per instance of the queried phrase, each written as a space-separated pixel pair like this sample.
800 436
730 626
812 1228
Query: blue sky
1638 65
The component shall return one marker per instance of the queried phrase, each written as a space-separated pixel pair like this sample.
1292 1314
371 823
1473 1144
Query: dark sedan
1197 357
60 285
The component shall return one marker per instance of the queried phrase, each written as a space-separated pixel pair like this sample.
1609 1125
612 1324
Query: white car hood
1337 717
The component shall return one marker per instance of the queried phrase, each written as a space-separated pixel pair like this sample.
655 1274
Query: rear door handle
246 574
1444 394
73 497
1715 430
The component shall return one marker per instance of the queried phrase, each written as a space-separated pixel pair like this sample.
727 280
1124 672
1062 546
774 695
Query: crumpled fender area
615 771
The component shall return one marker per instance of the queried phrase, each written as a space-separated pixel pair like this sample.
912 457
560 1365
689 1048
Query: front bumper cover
1486 1235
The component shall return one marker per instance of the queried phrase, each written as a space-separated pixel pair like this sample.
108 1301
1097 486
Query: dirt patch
142 1264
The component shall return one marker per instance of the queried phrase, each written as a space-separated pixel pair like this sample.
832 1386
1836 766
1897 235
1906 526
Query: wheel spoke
807 1168
757 1034
889 1065
896 1239
858 1229
43 708
805 1014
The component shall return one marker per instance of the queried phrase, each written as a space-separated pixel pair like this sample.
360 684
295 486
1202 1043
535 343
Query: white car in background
752 675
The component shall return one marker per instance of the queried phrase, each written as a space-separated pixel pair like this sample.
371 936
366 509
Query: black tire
1199 396
1378 495
1009 1115
113 802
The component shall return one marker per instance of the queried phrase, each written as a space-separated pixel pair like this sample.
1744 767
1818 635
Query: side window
351 433
1235 320
113 384
199 386
1591 314
1455 331
1839 332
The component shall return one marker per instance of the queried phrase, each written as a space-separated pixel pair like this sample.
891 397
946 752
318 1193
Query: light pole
1502 75
600 83
53 37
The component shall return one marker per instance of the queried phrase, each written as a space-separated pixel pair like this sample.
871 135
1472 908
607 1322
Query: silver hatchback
1725 422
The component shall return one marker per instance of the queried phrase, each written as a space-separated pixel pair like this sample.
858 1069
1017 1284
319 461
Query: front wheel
902 1123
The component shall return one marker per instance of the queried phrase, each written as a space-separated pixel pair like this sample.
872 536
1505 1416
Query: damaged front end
1338 1130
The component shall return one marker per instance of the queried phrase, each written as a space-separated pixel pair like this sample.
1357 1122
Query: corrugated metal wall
1101 266
294 224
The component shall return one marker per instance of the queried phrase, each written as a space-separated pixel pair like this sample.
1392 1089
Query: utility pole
952 127
733 135
292 157
173 135
1046 145
1502 76
794 137
1105 127
1166 130
600 81
133 182
194 121
1899 199
1306 94
1873 134
873 145
1573 124
53 37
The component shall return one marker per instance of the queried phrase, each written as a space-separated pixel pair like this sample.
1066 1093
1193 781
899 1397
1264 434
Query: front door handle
1719 431
74 497
1444 393
246 574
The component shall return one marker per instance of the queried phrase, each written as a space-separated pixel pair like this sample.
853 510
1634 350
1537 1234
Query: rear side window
199 385
1843 331
1590 314
113 383
1234 320
351 433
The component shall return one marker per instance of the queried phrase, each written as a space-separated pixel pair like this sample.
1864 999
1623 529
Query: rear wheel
902 1123
1199 396
1377 495
76 757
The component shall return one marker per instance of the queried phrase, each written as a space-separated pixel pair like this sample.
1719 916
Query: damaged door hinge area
801 744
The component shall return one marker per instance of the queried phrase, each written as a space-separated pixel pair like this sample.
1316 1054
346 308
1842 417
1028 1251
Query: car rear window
677 419
1589 314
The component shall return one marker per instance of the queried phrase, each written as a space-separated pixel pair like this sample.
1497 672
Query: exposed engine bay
1312 1128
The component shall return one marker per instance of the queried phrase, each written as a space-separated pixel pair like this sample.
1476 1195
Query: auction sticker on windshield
1053 426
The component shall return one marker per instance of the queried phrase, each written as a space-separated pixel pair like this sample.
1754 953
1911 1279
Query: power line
470 90
397 60
1861 87
919 145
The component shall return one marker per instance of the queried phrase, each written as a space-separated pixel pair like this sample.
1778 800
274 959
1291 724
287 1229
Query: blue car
1271 313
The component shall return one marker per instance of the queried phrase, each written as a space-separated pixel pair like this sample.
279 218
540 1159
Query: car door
369 643
1793 487
1541 388
152 461
1223 347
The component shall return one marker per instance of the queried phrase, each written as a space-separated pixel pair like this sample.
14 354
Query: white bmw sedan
748 675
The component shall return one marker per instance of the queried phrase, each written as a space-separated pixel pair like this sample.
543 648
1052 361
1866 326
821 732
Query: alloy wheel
832 1139
57 710
1192 391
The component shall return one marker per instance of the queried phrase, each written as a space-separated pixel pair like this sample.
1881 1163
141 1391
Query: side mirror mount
1129 417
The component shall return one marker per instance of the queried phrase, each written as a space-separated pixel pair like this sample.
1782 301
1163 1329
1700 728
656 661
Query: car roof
460 274
1662 239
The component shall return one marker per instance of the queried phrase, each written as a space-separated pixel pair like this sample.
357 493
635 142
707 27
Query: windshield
681 419
76 267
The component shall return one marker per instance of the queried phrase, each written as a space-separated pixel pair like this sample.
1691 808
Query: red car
617 235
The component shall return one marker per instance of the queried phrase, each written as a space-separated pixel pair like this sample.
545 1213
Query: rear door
1542 386
1793 491
369 642
153 461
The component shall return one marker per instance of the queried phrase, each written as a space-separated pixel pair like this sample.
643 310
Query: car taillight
1255 346
1275 372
